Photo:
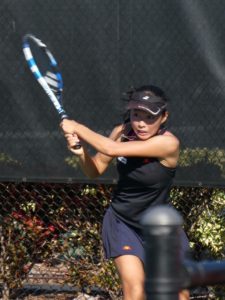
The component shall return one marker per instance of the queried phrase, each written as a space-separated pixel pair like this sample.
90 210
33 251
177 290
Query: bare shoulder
172 137
173 145
167 139
117 132
118 128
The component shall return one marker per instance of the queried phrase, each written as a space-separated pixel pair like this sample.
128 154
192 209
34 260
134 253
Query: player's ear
164 116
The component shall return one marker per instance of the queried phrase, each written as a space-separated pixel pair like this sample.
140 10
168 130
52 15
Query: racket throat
63 115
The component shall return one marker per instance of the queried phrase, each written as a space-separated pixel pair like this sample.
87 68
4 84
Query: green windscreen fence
103 48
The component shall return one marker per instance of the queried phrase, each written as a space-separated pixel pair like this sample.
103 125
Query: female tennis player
147 155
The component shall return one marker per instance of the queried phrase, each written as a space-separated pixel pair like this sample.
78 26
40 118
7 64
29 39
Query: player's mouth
142 133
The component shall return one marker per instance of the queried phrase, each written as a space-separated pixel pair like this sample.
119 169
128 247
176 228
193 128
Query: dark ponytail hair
152 89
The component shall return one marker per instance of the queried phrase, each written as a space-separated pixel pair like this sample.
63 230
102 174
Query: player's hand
68 126
72 140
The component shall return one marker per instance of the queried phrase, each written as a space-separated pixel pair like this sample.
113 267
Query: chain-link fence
51 238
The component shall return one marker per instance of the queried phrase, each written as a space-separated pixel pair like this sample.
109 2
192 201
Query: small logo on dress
145 97
127 248
122 159
146 160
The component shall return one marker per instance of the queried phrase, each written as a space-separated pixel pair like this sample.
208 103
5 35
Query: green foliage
23 242
216 157
204 218
8 160
85 257
204 221
61 225
209 228
72 161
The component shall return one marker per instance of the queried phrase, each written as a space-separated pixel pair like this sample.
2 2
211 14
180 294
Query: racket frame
55 99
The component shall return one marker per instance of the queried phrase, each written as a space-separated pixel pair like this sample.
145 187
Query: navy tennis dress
143 183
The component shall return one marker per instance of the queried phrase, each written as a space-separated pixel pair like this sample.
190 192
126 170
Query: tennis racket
45 70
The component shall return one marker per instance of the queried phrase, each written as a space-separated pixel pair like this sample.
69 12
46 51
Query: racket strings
53 82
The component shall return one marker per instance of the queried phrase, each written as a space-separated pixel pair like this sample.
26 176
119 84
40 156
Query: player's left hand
68 126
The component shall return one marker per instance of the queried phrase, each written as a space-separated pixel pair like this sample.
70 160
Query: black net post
163 265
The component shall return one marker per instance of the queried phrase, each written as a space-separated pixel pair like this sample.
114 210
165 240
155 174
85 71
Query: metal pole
163 263
204 273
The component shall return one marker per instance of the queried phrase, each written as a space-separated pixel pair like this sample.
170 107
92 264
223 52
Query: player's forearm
87 165
102 144
97 141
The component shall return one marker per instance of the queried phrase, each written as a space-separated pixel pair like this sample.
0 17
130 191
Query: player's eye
151 117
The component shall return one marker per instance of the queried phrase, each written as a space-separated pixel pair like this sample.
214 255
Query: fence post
163 260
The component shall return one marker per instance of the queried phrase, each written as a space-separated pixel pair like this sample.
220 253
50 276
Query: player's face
144 124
